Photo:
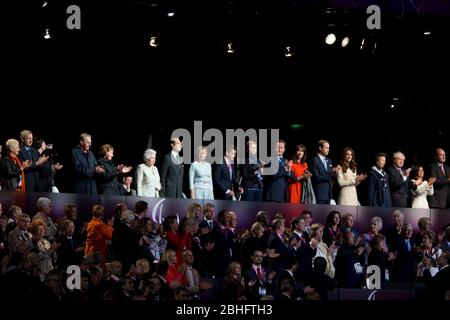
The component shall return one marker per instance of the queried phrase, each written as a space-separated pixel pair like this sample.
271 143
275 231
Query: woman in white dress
424 188
322 249
348 179
148 182
200 177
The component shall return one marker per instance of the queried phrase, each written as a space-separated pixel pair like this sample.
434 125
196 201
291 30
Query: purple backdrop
246 211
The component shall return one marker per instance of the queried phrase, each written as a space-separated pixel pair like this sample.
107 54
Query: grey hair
127 216
378 221
43 202
148 153
398 213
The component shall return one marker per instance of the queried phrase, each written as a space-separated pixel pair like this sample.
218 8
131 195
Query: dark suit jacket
279 263
66 254
10 174
321 179
404 268
249 178
441 197
400 189
84 172
276 185
107 181
222 181
252 292
222 251
304 258
438 284
46 177
171 177
32 172
124 192
346 275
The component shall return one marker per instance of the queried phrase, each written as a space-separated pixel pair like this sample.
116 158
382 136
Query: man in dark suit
125 187
400 183
322 173
277 185
404 268
27 152
439 285
172 172
304 253
223 244
276 242
258 280
66 253
441 172
225 177
85 167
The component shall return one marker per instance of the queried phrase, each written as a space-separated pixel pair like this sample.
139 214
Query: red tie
258 273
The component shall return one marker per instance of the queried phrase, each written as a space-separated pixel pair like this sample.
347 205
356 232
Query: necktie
325 164
443 169
408 245
210 224
259 273
230 170
25 235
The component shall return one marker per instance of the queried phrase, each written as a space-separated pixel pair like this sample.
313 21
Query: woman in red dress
299 168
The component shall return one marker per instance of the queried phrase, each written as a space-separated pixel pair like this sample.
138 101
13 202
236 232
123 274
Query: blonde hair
24 133
398 155
11 143
84 136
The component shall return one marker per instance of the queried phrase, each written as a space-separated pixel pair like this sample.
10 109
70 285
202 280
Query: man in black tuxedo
322 171
85 167
400 183
27 152
441 172
172 171
225 177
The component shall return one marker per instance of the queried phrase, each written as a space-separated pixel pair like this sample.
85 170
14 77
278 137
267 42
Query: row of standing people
26 169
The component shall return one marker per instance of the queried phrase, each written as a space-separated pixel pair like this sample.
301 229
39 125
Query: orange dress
295 187
97 234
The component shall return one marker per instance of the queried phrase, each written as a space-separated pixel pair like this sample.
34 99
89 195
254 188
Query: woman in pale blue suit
200 177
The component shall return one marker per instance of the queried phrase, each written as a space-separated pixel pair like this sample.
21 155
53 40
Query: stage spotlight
154 42
345 42
362 43
44 4
171 14
427 33
230 48
288 52
47 34
330 39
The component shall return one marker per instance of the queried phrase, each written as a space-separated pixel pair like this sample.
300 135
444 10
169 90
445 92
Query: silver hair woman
148 182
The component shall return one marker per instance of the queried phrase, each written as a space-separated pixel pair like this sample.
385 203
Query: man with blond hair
400 182
27 152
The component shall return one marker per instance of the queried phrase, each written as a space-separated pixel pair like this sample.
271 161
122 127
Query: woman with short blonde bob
200 177
12 168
